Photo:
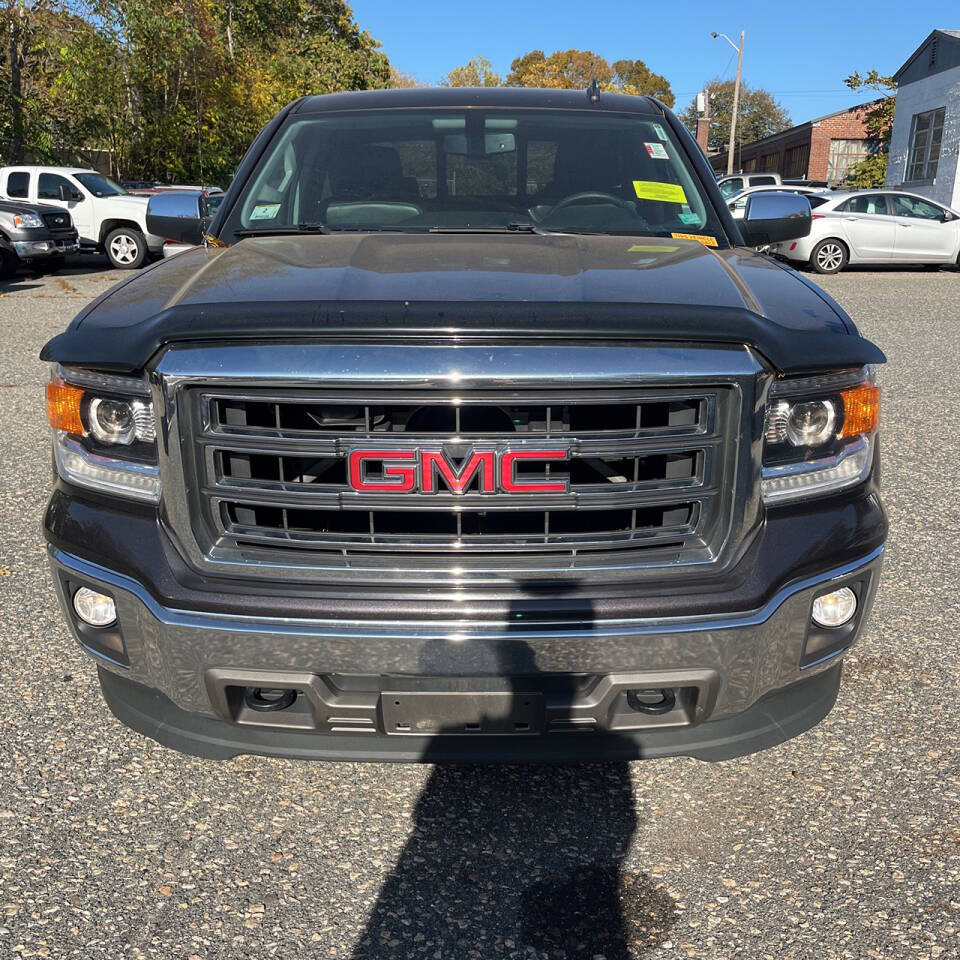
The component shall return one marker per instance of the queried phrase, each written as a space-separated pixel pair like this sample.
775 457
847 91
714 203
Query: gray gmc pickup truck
476 429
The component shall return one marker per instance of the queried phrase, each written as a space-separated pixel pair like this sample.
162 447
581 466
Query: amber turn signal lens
861 410
63 407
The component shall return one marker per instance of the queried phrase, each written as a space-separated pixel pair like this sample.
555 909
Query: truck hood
470 284
124 206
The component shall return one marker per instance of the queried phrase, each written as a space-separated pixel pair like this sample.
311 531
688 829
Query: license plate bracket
462 713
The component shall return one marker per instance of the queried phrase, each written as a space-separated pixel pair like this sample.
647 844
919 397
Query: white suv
107 218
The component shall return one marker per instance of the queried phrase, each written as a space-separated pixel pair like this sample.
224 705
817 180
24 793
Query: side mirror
775 217
67 193
176 216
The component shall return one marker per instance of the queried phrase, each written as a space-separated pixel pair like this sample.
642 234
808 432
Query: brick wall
773 153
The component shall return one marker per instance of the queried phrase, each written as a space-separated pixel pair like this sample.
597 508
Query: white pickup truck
107 218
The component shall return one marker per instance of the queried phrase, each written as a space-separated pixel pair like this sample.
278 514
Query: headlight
818 434
29 220
104 432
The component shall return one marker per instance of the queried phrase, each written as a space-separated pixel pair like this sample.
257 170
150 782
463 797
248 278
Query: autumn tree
477 72
759 115
872 170
577 69
171 89
635 77
402 80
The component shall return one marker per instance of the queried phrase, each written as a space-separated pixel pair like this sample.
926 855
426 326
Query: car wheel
829 256
126 248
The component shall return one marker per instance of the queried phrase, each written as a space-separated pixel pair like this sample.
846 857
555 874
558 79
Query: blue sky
802 57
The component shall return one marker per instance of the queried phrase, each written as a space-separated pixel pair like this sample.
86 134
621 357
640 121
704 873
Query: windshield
729 187
531 170
99 185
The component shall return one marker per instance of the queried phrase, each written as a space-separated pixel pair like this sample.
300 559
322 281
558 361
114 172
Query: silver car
876 227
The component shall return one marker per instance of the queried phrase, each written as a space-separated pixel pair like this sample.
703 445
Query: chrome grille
650 479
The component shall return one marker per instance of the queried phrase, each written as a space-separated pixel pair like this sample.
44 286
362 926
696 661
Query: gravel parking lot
842 843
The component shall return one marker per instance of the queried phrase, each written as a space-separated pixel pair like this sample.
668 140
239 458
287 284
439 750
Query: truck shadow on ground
505 858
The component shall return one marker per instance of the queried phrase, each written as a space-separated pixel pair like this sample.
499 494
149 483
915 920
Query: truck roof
453 97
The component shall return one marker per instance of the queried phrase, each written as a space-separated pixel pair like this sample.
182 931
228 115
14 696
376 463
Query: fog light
94 608
834 609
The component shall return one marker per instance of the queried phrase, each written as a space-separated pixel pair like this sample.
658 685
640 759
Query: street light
736 94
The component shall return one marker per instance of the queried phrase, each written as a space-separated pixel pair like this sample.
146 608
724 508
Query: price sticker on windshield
664 192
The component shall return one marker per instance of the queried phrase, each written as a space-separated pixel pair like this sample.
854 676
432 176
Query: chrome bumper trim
753 652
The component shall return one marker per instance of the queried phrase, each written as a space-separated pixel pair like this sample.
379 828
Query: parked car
876 226
800 182
35 234
738 203
736 182
413 462
107 218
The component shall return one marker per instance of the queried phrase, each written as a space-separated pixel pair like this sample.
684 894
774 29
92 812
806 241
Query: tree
402 80
477 72
565 70
872 170
635 77
758 116
577 69
172 89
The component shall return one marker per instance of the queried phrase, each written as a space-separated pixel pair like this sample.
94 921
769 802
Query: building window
795 161
925 136
845 155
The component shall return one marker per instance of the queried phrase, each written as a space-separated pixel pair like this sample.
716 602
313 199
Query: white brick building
925 144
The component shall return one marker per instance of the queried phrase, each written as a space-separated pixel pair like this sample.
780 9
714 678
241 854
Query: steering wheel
590 196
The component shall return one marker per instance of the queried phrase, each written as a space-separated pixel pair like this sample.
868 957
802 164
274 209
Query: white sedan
875 227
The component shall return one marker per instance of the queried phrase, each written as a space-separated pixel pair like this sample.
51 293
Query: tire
829 256
126 248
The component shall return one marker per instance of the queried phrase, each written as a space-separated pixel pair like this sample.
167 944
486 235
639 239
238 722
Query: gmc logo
424 471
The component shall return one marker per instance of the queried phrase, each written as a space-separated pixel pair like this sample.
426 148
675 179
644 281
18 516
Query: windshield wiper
517 227
280 231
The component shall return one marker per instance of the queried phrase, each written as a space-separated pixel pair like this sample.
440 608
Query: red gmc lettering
510 483
432 461
406 471
403 478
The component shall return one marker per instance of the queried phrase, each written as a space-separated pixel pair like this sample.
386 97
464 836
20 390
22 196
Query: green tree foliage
477 72
872 171
634 76
759 115
174 89
577 69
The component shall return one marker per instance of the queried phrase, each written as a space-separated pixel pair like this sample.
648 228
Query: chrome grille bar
256 477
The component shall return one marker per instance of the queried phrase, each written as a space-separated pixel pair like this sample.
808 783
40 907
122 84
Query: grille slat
644 474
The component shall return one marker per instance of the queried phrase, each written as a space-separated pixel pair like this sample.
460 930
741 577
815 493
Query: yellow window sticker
706 241
651 248
664 192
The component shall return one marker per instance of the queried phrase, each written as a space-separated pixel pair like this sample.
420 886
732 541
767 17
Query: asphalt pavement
843 843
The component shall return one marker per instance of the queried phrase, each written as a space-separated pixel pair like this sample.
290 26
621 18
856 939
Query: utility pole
736 95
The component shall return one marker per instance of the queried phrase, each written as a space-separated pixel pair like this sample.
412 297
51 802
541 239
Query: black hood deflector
787 350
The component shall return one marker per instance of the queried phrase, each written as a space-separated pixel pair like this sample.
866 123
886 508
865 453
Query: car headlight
29 220
818 434
104 432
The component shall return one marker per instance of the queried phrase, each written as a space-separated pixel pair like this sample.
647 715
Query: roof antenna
593 91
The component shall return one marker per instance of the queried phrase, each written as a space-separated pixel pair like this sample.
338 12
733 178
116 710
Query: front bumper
738 676
43 249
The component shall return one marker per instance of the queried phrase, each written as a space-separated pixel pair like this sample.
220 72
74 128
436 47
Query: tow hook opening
654 701
268 699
